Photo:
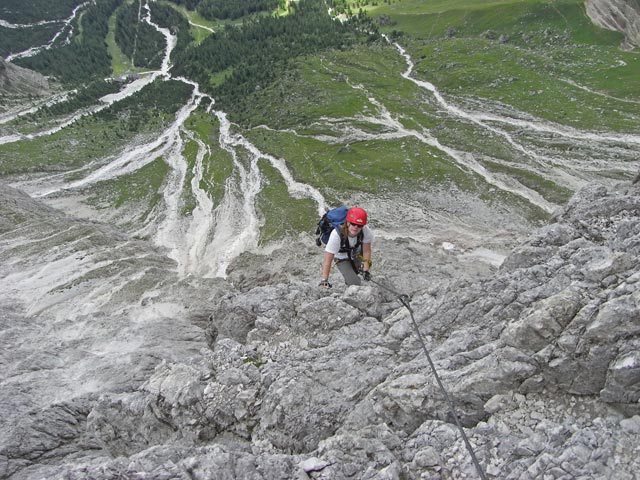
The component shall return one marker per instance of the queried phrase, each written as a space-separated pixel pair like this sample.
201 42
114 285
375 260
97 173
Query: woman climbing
350 247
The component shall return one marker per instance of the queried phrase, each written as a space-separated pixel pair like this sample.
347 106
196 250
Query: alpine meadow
276 113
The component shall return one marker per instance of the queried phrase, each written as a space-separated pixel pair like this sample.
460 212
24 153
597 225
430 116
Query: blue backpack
331 221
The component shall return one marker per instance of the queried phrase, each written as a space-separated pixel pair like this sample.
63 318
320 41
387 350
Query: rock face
22 81
618 15
267 376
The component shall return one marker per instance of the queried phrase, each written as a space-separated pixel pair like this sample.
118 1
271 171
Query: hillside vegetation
509 51
330 98
241 60
85 57
32 11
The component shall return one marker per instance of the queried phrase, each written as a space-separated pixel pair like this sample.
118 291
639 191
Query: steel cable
405 300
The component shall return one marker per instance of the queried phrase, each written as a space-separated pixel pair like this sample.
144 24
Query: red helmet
357 216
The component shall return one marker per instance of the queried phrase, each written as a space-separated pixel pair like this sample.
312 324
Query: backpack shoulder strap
359 239
344 241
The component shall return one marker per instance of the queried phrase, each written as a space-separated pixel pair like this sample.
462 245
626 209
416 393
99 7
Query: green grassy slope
542 58
511 51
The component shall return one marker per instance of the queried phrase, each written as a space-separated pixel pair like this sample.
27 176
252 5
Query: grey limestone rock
18 80
121 369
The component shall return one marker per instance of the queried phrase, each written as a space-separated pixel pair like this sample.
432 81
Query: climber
350 246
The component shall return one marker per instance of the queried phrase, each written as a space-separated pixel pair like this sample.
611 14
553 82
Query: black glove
325 284
366 276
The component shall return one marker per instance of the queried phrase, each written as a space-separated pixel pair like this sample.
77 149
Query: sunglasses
356 225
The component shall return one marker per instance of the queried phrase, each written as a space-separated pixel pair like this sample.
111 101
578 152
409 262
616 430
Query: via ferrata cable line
405 300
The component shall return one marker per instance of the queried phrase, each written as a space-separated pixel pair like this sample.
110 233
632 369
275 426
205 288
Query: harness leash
405 300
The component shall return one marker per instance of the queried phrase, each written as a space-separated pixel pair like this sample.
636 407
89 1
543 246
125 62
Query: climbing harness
352 256
405 300
345 247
